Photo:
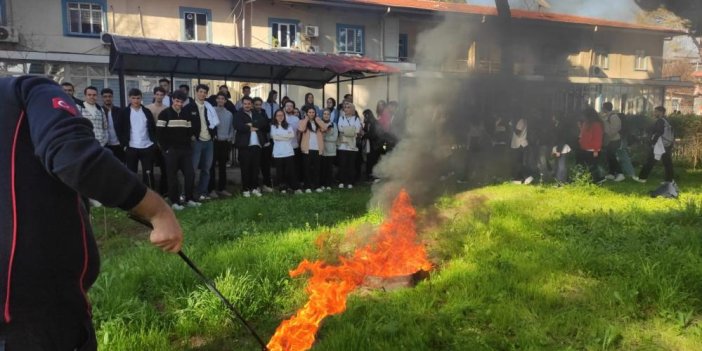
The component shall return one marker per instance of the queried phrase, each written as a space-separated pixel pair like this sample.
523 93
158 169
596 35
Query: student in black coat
251 135
136 130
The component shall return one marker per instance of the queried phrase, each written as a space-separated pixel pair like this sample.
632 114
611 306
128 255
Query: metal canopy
141 56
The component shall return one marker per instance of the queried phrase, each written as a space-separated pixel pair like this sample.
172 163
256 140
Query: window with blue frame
84 18
2 13
350 39
196 24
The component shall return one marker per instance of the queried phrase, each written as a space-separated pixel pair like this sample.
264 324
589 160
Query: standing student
350 128
612 141
294 122
228 104
331 106
246 92
267 150
222 146
271 104
520 149
560 150
251 134
156 108
309 102
111 113
312 129
661 147
176 130
186 90
50 163
283 154
69 89
94 113
136 129
591 136
165 84
203 147
331 135
372 142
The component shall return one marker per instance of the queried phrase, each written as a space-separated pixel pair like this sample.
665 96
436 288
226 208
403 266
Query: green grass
518 268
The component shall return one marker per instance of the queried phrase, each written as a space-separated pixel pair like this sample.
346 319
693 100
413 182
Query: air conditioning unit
8 35
105 38
311 31
313 49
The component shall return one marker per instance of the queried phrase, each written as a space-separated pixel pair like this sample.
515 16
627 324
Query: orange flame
394 251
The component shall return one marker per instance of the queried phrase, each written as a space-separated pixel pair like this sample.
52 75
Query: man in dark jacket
659 131
251 134
176 133
48 256
112 113
204 121
136 130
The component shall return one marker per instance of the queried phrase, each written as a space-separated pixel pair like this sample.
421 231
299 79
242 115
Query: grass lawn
517 268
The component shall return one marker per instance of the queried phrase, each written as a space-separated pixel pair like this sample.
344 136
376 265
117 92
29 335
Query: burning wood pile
392 259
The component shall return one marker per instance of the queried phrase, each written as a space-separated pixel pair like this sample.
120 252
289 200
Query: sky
621 10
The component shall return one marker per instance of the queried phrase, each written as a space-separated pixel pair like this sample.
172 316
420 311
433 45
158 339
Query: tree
688 15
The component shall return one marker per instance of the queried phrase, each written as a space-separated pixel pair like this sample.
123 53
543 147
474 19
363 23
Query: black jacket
175 129
50 160
229 105
193 113
243 131
123 125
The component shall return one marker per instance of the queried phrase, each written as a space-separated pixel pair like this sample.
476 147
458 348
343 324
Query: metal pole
280 93
324 97
352 86
338 89
198 72
387 85
122 88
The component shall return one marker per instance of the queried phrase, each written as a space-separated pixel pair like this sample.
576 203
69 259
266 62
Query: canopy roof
141 56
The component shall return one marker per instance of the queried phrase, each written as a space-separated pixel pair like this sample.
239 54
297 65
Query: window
602 59
403 48
84 18
350 39
283 33
2 13
640 63
196 24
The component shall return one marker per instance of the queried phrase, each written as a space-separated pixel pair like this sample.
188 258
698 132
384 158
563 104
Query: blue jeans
203 153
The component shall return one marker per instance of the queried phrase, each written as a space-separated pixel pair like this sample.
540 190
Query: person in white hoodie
283 135
520 149
350 128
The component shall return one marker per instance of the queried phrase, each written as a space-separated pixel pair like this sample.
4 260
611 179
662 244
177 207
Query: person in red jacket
591 134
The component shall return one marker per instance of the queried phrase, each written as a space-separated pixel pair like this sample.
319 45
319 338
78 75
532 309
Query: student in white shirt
312 146
283 135
350 127
294 121
136 129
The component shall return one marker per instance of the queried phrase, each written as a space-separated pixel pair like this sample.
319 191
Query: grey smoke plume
432 122
617 10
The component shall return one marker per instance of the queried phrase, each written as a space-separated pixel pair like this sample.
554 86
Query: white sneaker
267 189
225 193
341 185
298 191
328 188
637 179
283 191
246 194
203 198
610 177
620 177
308 191
517 182
350 186
256 193
213 195
528 180
192 203
177 207
319 190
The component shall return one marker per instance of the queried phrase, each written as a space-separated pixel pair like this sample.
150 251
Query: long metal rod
211 285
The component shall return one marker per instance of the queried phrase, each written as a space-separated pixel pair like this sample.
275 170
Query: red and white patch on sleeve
61 104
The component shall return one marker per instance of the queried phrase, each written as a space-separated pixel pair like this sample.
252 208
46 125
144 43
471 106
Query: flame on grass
393 251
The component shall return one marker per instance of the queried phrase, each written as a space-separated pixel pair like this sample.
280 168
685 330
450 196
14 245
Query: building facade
565 62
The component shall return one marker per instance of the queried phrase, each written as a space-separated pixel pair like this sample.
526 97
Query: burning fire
394 251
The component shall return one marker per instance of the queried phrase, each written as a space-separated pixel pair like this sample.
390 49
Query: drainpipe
382 34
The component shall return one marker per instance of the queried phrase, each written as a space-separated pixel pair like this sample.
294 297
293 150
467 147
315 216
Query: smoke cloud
617 10
432 123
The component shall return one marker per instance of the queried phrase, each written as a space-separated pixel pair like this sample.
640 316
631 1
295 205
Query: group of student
186 135
543 149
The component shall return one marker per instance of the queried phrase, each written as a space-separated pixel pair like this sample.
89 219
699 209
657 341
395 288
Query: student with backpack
662 138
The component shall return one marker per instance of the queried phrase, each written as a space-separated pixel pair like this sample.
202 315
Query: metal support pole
122 88
338 89
280 93
173 87
198 72
352 80
324 97
387 85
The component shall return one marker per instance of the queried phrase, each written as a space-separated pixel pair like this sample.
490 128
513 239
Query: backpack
667 137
